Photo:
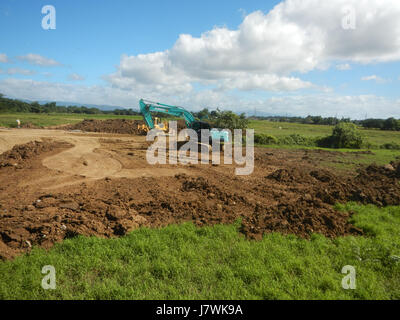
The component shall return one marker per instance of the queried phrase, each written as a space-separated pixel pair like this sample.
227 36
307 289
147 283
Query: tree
373 123
36 107
203 114
345 135
391 124
230 120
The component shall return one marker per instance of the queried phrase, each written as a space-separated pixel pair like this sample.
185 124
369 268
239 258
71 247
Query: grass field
277 129
186 262
280 129
53 119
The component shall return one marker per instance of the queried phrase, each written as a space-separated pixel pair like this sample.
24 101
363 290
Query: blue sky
91 35
289 57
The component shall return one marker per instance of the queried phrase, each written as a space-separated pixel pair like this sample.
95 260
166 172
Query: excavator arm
146 107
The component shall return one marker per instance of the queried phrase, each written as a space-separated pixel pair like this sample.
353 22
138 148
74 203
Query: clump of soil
120 126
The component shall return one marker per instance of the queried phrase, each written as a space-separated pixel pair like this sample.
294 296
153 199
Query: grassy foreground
185 262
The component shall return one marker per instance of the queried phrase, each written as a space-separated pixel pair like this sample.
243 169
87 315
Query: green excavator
147 107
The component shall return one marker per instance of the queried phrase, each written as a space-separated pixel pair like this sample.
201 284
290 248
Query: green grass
53 119
277 129
186 262
352 161
282 129
349 161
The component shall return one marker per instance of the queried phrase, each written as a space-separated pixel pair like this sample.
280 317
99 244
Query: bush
291 140
344 135
297 140
391 146
265 139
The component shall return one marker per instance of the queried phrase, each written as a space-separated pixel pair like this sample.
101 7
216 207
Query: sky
294 57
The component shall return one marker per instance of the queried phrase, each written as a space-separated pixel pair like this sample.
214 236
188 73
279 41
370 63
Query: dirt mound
29 125
20 155
121 126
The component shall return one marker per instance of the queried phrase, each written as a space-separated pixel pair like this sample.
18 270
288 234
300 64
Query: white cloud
39 60
268 82
3 58
375 78
75 77
25 72
262 53
343 67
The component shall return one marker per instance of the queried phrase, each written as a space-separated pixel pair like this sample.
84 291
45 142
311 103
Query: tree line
383 124
15 105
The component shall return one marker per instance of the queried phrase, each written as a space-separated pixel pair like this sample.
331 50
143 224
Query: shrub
296 139
265 139
391 146
344 135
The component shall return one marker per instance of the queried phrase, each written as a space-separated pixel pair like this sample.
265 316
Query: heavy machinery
146 107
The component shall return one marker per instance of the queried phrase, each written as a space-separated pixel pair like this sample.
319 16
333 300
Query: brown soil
29 125
67 184
122 126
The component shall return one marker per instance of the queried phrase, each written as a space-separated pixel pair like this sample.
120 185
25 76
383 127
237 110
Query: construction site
92 179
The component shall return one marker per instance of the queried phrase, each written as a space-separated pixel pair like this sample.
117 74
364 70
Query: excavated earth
109 126
57 184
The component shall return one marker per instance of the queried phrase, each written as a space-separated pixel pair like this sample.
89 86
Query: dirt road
71 183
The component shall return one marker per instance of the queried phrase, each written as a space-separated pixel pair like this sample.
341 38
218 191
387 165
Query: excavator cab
158 124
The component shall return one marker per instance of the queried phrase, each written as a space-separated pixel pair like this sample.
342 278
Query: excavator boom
146 107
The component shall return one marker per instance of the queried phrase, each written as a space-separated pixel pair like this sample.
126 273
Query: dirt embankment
287 193
120 126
